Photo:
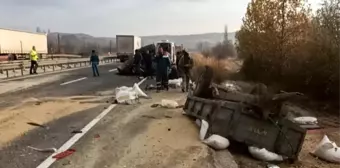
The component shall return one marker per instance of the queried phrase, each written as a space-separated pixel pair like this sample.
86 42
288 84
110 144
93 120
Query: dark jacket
163 64
185 63
94 58
147 58
137 59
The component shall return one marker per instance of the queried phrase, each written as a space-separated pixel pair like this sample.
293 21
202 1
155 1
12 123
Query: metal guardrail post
68 64
22 69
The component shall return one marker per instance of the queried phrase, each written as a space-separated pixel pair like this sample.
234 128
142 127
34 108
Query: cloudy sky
111 17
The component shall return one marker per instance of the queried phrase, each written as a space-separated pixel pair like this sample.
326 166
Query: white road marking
72 81
113 70
49 161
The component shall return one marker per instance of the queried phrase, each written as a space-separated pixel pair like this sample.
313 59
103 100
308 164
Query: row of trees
220 50
282 41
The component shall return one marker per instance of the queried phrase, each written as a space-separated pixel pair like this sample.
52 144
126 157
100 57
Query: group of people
163 67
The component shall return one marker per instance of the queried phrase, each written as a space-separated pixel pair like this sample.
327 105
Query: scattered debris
129 95
272 166
155 105
47 150
232 87
305 120
215 141
77 132
168 116
64 154
264 155
169 103
37 125
327 150
175 83
97 136
147 116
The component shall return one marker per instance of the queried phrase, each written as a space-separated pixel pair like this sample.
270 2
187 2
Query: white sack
264 155
169 103
126 96
217 142
305 120
204 129
122 88
232 87
327 150
138 91
176 82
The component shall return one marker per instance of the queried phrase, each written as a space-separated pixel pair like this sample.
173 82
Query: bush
222 68
221 50
290 47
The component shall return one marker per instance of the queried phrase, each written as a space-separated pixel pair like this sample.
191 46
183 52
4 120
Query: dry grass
222 68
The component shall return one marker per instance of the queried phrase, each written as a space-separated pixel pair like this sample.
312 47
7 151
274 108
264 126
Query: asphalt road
72 83
90 86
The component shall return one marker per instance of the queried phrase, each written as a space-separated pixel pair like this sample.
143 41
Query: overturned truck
254 118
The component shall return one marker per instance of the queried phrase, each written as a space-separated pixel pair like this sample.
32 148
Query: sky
106 18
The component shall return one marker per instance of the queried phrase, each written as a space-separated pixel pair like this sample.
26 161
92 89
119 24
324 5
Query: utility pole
110 46
58 42
225 40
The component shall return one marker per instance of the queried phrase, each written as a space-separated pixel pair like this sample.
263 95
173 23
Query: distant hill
76 43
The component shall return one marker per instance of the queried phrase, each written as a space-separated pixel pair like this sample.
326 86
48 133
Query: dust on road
139 136
13 120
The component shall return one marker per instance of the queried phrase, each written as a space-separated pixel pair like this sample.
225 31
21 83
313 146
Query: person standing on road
34 61
162 70
184 66
147 57
137 62
94 60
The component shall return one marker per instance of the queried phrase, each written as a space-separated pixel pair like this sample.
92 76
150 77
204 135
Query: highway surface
100 133
78 82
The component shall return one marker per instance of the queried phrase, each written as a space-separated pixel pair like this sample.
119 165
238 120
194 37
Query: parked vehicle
18 44
126 46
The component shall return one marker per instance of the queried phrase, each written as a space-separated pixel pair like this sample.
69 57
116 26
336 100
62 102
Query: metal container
237 122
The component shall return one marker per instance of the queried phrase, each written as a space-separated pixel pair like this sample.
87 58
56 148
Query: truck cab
169 47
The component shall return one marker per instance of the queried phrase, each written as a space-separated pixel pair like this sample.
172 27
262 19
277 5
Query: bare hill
79 43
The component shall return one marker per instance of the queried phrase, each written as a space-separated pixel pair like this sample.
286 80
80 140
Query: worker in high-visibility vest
34 61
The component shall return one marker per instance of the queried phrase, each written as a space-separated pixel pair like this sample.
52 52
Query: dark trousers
34 67
162 81
185 82
95 69
148 70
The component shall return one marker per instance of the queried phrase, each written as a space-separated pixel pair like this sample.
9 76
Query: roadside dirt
13 120
12 86
139 136
170 139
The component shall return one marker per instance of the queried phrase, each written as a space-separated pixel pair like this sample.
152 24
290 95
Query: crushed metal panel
235 121
253 131
290 139
220 122
199 108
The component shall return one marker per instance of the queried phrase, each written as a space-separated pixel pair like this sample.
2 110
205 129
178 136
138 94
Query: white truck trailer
19 43
126 46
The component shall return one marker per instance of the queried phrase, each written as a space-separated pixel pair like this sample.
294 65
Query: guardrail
50 65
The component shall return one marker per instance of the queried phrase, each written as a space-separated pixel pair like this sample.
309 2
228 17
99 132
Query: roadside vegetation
285 43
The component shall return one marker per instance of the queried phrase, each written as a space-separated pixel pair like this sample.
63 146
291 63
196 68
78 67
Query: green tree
270 33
